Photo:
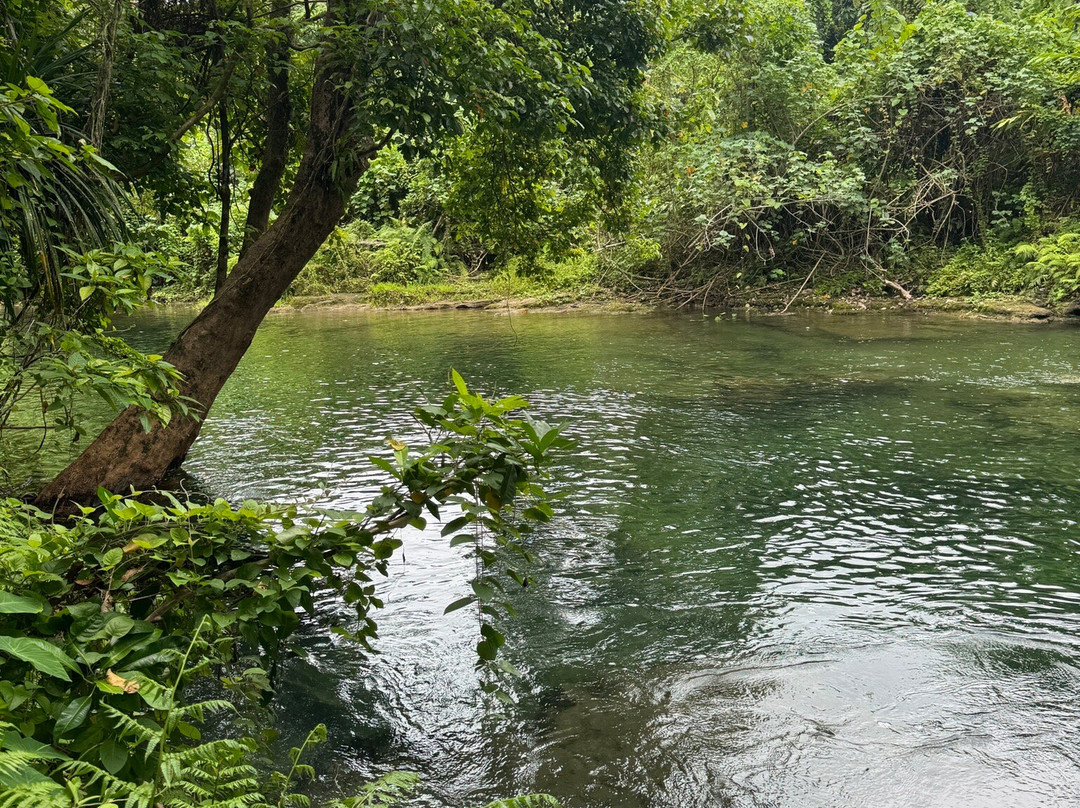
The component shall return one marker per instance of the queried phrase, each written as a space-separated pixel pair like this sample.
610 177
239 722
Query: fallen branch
894 285
806 281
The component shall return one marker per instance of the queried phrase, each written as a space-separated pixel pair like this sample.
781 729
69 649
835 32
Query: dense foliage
870 158
891 148
128 627
62 277
875 145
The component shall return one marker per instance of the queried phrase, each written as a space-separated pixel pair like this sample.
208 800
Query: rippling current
803 561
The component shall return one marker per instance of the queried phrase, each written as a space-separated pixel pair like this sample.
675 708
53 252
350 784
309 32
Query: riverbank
760 302
523 295
496 305
1009 308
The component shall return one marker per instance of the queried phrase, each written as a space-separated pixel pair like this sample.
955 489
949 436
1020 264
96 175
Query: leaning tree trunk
209 349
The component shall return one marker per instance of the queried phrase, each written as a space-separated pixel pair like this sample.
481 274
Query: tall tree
391 70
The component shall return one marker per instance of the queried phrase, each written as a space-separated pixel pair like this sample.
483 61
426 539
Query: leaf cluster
114 618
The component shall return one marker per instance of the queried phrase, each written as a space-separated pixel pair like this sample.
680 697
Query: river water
803 561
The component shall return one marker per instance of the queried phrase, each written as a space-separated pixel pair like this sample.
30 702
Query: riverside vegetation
405 150
832 147
140 632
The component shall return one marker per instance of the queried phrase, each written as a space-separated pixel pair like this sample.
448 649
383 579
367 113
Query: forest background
841 148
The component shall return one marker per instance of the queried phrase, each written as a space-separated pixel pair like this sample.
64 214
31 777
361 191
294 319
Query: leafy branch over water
112 617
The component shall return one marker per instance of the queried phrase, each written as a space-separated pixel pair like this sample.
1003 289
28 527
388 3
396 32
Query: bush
977 270
357 257
1048 267
115 620
575 271
1053 263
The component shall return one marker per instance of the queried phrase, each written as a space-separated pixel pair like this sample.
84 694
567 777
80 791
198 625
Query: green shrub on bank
358 256
1047 268
977 270
1053 263
576 271
398 265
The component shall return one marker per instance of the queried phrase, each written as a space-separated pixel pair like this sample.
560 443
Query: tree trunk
276 148
99 104
224 195
209 349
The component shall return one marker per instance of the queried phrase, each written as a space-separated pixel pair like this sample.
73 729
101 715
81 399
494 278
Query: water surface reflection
803 562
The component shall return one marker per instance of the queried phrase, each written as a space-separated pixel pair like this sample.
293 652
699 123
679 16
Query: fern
17 767
1055 261
1026 252
21 782
143 733
199 711
386 792
45 794
526 801
93 774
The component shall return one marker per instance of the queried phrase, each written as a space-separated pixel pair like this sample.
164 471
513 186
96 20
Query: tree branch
200 113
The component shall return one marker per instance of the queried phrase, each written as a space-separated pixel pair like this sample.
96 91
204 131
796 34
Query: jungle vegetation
246 150
868 148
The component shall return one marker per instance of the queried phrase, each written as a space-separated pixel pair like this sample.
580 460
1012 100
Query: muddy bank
761 304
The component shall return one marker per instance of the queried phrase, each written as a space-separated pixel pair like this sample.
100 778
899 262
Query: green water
826 561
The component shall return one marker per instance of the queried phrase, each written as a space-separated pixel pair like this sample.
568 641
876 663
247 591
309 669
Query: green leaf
459 383
454 525
72 717
113 755
539 513
17 604
483 591
460 603
189 731
44 656
148 541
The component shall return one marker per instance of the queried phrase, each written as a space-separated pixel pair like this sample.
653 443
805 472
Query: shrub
114 620
1053 262
977 270
357 257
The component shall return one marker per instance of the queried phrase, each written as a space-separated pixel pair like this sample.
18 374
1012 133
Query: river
803 561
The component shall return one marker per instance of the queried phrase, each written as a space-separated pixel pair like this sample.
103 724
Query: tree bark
209 349
276 148
99 104
224 195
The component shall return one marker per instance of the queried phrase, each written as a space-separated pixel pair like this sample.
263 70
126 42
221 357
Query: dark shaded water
824 561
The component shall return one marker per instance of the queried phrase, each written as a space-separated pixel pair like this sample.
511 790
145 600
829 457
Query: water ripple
805 561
